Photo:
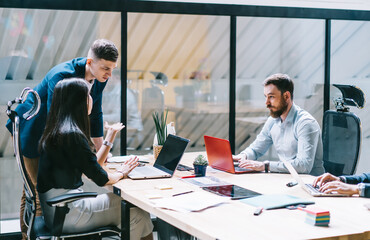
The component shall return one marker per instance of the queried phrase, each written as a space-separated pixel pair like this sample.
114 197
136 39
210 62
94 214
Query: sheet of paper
367 205
204 180
207 181
195 201
120 159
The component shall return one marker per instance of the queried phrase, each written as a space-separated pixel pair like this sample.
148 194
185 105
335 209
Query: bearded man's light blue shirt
297 139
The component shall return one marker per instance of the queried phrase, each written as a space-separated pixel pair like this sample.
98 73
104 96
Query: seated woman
66 154
351 184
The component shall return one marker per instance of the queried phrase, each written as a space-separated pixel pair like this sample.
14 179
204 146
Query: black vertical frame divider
232 83
123 138
327 64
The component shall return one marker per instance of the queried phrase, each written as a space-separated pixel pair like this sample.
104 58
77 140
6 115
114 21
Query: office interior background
204 62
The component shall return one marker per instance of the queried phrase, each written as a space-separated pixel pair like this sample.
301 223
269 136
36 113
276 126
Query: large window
31 43
179 63
350 64
272 45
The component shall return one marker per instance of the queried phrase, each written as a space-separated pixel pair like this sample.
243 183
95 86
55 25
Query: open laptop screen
171 153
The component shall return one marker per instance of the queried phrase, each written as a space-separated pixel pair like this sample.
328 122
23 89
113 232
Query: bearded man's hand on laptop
239 157
250 164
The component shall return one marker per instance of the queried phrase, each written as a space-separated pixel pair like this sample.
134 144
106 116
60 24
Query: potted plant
161 131
200 165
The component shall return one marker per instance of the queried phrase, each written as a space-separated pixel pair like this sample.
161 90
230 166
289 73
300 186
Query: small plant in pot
200 165
161 131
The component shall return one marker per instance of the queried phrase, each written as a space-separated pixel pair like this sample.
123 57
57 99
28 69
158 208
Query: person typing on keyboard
350 184
293 132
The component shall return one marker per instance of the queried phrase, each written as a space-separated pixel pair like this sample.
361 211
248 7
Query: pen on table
291 184
177 194
258 211
191 176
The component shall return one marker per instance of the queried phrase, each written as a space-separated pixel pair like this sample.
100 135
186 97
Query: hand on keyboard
339 187
323 179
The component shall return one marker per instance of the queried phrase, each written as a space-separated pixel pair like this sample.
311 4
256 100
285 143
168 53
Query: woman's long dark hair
68 114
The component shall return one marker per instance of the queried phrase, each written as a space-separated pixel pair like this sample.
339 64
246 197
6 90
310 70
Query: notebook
167 161
308 187
220 157
274 201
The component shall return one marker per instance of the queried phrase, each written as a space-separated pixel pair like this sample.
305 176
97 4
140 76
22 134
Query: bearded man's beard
283 106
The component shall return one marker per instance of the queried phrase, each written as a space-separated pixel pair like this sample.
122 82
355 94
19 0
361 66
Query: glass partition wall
274 45
178 63
31 43
350 64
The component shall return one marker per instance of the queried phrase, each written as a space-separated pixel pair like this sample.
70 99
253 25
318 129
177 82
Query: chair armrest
70 197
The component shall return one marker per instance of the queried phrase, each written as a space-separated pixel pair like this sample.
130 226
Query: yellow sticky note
153 196
163 187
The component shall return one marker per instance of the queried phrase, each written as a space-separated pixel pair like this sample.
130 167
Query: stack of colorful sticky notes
317 216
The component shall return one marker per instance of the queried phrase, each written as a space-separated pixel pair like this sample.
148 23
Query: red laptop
220 156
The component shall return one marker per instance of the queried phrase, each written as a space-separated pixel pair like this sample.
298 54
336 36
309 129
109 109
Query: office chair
342 132
37 228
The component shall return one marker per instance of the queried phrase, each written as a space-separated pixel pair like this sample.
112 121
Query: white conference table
349 219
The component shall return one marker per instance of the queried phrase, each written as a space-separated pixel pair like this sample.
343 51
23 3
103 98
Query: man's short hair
282 81
103 49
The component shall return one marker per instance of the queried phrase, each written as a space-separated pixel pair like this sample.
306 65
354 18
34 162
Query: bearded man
295 134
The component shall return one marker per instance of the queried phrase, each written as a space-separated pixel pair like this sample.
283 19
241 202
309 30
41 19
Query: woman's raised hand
115 127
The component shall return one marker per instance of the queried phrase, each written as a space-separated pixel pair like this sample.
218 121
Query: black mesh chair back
341 132
37 228
341 142
30 192
351 96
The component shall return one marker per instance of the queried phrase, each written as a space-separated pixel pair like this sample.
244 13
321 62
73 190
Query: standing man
295 134
95 69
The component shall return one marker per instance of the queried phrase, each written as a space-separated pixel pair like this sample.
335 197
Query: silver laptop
308 187
167 161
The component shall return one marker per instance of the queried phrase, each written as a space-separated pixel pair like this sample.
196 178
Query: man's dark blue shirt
32 130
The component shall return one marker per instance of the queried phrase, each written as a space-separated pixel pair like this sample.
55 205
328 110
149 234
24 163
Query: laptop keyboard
182 167
148 171
239 169
312 188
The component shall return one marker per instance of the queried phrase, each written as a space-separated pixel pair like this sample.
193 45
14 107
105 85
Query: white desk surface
349 219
